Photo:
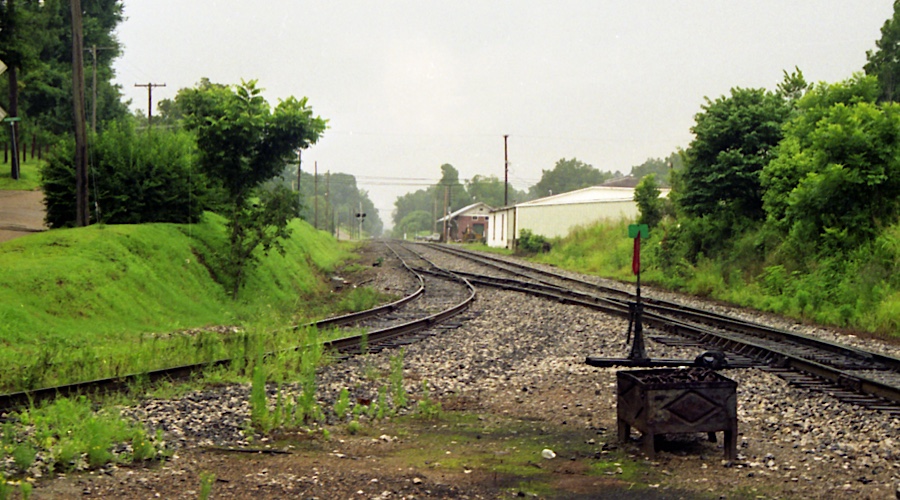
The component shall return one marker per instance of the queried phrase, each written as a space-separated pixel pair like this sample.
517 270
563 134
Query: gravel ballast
523 357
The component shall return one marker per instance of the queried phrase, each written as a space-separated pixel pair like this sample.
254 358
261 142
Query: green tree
432 199
568 175
168 114
414 223
793 86
662 167
884 62
836 175
733 141
243 143
44 57
486 189
456 194
344 201
646 194
422 200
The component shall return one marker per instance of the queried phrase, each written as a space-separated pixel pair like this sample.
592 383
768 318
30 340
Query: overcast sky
410 85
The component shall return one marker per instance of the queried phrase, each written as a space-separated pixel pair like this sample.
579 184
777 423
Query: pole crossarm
150 87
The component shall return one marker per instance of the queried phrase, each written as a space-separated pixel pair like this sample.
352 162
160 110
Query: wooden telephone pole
316 192
149 98
82 209
505 173
299 193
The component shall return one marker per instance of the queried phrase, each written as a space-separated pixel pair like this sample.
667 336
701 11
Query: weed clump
69 435
426 408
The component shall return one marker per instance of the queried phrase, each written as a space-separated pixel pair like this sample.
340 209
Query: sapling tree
243 142
646 195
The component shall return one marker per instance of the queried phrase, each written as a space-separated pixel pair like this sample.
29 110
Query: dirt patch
463 455
21 213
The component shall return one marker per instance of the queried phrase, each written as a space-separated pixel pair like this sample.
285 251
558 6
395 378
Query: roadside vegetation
787 202
119 299
106 301
196 238
29 176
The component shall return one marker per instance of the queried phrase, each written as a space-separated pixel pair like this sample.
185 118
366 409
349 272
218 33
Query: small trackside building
556 215
468 222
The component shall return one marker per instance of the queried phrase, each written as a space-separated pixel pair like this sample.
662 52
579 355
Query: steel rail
375 311
880 361
121 383
738 341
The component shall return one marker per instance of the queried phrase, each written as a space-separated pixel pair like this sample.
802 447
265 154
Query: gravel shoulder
517 361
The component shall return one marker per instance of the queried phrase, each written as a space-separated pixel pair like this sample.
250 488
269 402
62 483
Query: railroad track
851 375
389 325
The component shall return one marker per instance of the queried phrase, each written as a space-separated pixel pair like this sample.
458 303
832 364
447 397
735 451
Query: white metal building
556 215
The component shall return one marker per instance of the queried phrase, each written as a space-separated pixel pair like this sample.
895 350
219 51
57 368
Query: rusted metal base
667 401
710 359
638 363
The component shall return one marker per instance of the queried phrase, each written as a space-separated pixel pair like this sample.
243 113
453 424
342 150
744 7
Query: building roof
593 194
465 209
629 181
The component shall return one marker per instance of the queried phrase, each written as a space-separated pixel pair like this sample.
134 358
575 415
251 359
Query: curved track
386 325
852 375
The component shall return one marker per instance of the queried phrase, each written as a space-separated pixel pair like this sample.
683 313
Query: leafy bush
835 178
134 178
68 434
650 205
532 243
342 404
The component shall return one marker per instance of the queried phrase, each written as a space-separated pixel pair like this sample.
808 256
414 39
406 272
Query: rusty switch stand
636 311
637 357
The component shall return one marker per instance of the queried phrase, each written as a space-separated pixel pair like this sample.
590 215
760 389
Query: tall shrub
135 177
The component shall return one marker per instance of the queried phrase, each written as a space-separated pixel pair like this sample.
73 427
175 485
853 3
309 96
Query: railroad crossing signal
360 216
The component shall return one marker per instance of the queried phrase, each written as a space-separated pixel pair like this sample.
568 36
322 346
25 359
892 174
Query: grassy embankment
29 176
859 290
104 300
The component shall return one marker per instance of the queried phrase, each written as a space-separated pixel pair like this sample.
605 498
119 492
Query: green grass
481 247
103 300
859 290
29 175
601 249
68 434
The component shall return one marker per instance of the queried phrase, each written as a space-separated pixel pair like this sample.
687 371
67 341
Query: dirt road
21 213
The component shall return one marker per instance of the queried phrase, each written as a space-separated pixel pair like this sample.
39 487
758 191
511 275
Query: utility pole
434 216
316 192
299 193
82 209
446 201
149 98
505 173
13 95
94 50
327 200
